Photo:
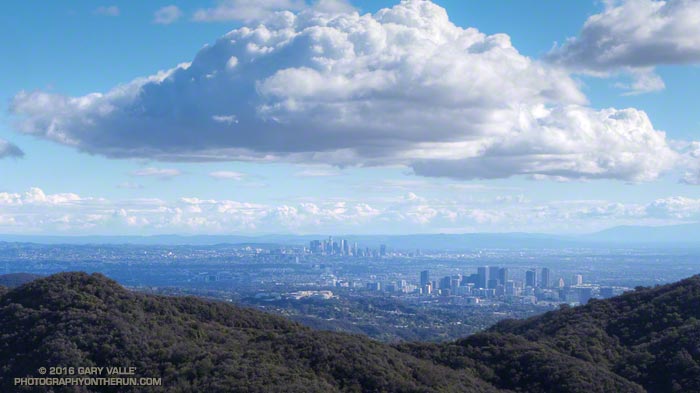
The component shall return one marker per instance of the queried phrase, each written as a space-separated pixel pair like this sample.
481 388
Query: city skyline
111 127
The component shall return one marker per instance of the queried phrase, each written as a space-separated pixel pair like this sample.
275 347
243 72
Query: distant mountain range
686 235
643 341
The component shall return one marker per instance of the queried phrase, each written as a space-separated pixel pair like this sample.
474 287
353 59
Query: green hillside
648 340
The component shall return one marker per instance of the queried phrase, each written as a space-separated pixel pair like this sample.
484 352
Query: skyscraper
382 250
546 280
493 274
424 278
531 278
492 283
576 279
315 246
483 274
446 282
503 275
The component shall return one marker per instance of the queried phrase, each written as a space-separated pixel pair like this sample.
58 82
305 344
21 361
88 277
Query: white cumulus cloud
403 86
36 211
634 36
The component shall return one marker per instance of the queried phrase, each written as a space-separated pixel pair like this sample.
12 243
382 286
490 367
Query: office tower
560 284
531 278
445 282
483 273
546 280
503 275
584 294
471 279
424 278
345 247
492 283
455 281
402 284
576 279
493 273
315 246
355 249
511 288
382 250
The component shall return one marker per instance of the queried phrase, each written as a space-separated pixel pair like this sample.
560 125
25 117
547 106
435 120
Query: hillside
648 340
80 320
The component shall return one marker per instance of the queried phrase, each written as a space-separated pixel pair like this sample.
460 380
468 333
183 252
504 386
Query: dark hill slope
75 319
649 338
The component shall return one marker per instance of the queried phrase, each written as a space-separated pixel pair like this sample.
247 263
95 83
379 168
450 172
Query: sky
333 117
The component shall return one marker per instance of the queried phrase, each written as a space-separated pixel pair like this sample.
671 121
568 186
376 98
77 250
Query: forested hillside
648 340
80 320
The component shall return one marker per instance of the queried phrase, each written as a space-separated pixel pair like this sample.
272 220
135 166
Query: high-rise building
424 278
483 274
560 284
445 282
584 294
511 288
401 284
493 274
471 279
546 280
382 250
531 278
315 246
576 279
492 283
503 275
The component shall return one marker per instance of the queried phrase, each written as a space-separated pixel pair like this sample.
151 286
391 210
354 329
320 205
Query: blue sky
101 182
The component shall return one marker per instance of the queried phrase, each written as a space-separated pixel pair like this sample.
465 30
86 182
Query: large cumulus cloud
402 86
634 36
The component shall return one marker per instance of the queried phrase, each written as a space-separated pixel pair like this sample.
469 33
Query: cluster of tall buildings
343 247
493 281
494 284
